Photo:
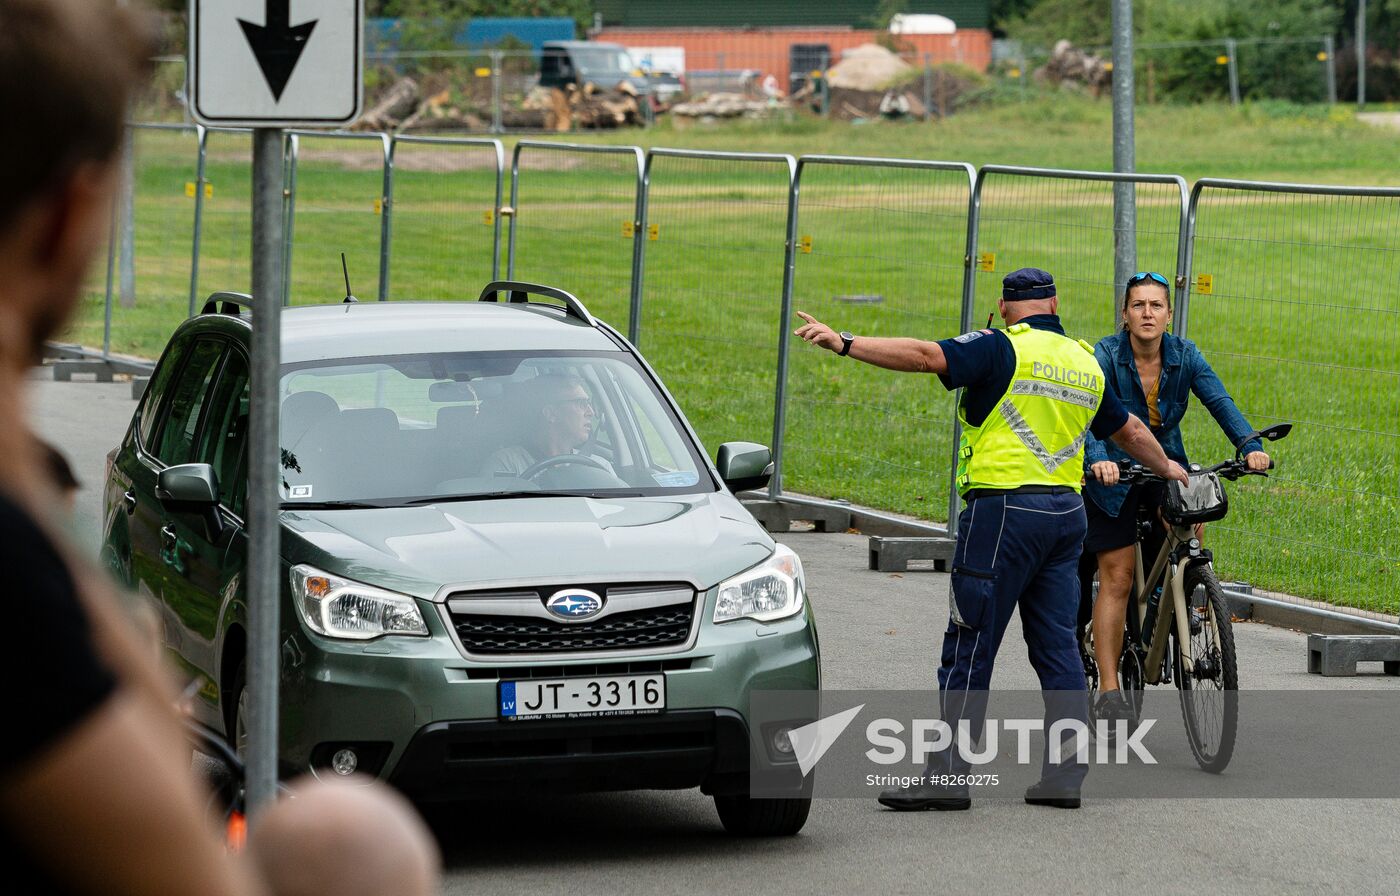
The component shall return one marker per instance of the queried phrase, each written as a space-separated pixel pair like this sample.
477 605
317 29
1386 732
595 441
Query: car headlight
339 608
774 589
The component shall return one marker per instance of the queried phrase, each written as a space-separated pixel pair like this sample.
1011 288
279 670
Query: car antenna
345 269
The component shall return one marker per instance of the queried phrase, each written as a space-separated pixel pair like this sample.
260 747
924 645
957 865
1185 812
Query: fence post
826 87
1361 55
111 274
496 126
1329 69
199 178
775 485
126 259
639 219
514 211
386 212
1233 71
928 90
289 208
974 219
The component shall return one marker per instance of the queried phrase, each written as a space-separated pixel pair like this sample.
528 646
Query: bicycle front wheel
1207 676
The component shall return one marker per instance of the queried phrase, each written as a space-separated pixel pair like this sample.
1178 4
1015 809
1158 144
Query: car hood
701 539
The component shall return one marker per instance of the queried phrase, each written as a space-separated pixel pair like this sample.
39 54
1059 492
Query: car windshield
598 61
401 429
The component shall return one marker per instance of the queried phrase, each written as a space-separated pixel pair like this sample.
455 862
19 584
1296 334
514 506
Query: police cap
1027 283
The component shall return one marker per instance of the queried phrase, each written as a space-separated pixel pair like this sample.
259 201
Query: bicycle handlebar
1130 473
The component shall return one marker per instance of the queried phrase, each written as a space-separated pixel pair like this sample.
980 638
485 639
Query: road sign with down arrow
276 63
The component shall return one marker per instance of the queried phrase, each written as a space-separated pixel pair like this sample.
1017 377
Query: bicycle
1179 599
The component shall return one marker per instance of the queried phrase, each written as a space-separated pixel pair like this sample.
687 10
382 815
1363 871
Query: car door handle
167 537
129 499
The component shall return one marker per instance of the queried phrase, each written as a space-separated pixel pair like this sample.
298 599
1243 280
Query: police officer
1029 396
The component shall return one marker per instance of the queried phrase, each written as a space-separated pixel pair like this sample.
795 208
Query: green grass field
1301 321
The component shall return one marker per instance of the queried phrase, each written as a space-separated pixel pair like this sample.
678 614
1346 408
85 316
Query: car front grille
645 618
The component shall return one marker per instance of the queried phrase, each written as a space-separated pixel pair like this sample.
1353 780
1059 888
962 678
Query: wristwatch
847 337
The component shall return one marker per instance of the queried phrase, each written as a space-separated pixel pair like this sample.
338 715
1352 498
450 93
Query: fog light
344 762
781 742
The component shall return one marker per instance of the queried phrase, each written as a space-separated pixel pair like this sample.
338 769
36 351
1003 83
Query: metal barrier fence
881 251
445 198
713 303
223 260
580 224
1292 301
151 248
1063 221
336 192
712 252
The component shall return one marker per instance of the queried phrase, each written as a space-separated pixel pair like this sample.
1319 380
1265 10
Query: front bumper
425 718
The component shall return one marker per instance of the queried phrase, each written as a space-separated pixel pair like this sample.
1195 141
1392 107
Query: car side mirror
744 465
192 488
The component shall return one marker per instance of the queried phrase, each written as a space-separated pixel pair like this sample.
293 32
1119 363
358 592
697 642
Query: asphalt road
877 630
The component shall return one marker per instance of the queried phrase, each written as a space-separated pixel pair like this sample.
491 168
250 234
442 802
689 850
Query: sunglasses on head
1144 276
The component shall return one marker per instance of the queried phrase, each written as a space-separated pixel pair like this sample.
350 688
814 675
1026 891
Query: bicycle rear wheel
1207 676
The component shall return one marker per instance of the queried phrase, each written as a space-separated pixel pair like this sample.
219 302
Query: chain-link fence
1293 304
575 223
712 294
446 222
881 246
337 184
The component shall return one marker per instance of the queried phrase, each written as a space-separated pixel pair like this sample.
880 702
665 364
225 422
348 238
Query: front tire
1207 674
745 816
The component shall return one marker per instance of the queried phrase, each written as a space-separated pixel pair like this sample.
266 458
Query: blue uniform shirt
983 362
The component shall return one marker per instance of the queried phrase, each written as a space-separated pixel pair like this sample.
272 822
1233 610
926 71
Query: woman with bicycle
1153 373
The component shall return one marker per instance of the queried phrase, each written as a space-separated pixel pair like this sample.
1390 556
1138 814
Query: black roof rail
227 303
520 293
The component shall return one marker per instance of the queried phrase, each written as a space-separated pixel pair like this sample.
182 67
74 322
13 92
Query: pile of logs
722 105
563 110
409 106
1072 67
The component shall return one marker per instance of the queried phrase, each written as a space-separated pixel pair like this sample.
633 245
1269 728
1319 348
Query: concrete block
893 553
824 518
63 370
1334 655
771 515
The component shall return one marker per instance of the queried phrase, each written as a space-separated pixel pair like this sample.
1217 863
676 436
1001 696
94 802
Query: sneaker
919 799
1112 707
1042 794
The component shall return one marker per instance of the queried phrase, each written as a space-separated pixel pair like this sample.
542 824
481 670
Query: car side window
223 438
155 390
187 398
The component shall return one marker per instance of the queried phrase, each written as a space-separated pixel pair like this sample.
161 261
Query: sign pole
265 69
262 587
1124 155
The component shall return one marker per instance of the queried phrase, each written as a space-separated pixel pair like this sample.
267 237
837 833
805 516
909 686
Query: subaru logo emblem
573 604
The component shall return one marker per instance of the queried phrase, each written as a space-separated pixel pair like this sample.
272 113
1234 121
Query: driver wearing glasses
557 419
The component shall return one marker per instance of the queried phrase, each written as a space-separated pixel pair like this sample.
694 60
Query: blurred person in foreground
96 791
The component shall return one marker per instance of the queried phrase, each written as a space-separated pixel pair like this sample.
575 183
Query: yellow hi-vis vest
1035 434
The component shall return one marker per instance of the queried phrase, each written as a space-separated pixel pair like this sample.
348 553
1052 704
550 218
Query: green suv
507 563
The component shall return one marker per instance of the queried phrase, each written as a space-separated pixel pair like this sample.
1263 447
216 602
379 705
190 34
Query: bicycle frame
1172 606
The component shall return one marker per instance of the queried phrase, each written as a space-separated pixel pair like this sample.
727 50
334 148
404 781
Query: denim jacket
1184 370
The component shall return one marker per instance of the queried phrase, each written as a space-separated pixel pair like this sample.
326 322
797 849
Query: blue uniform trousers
1019 549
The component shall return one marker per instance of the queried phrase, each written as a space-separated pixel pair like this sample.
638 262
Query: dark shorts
1107 533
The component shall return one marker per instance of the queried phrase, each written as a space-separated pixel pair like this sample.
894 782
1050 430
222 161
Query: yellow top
1154 416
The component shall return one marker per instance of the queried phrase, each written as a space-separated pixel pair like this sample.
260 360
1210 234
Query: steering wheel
560 460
